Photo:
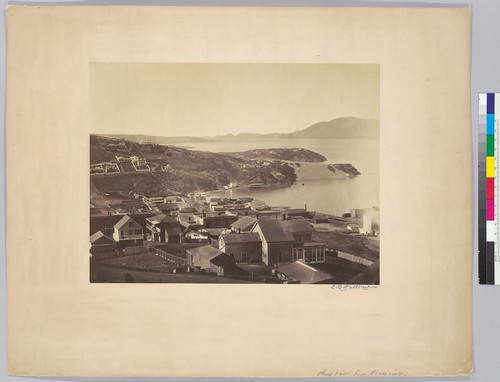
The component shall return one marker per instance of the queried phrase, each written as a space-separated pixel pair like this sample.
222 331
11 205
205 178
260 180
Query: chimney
305 206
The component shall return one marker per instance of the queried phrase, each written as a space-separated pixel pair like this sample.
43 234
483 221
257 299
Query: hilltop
340 128
120 165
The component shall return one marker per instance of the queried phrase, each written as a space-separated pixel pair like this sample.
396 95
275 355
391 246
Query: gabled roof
273 231
232 238
162 218
100 238
207 251
244 222
282 230
224 260
297 225
303 273
123 221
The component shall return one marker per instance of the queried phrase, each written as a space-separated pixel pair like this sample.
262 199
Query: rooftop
273 231
303 273
207 252
234 238
123 221
214 231
282 230
173 231
162 218
297 225
100 238
243 222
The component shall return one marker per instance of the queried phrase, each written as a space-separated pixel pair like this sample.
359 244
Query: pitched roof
100 238
303 273
224 260
273 231
123 221
232 238
297 225
244 222
162 218
207 252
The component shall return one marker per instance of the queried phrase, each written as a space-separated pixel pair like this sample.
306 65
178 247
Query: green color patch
490 145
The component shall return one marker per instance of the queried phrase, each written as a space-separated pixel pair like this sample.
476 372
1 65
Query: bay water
323 195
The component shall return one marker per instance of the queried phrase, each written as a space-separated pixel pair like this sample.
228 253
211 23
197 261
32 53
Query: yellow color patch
490 167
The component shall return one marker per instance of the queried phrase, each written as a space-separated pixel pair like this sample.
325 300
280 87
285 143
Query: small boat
229 186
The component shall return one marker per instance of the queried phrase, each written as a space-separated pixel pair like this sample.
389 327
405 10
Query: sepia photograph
234 173
242 166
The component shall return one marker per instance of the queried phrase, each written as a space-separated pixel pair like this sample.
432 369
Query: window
122 233
243 256
130 231
137 231
130 223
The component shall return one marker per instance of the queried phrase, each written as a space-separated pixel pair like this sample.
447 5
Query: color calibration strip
489 261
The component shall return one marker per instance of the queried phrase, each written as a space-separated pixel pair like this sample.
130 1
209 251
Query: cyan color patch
490 124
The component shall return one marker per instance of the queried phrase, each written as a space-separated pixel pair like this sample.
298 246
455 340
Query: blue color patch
490 124
490 103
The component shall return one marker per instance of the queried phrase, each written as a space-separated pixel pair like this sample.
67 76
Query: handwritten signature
360 373
343 287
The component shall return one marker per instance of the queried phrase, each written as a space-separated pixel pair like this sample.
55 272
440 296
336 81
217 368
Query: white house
128 232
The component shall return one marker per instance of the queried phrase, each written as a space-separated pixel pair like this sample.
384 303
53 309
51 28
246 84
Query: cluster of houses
221 236
228 232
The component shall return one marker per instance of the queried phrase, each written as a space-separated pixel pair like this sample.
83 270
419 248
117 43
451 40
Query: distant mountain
158 140
248 137
340 128
346 127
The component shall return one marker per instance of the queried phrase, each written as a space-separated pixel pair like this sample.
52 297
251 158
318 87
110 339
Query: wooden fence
175 260
354 259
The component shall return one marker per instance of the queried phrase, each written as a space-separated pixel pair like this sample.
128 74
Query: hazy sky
214 99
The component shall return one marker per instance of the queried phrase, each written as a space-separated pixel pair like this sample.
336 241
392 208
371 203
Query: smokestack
305 206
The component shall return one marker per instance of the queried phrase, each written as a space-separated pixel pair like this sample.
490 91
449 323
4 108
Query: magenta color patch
490 209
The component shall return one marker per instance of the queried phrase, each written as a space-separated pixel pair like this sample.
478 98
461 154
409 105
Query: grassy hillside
294 155
187 170
179 170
